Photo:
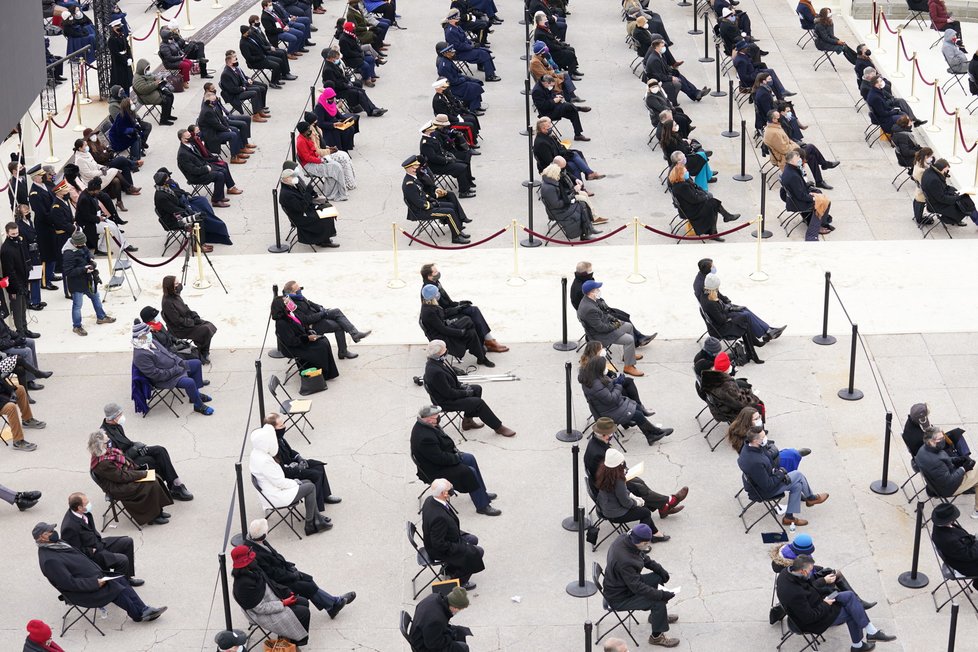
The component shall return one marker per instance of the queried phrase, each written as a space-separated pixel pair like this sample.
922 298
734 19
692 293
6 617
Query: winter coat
442 383
696 205
939 470
577 287
624 570
143 500
171 54
437 457
77 278
160 367
562 208
958 548
879 105
615 504
940 195
184 323
905 144
795 191
442 536
434 324
804 603
88 169
146 86
756 464
269 612
825 38
938 14
277 490
606 399
430 629
731 396
778 144
75 576
957 61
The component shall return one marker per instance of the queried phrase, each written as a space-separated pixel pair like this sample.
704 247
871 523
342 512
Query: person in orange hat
39 638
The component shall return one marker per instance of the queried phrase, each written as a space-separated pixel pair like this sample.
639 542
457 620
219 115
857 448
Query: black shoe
867 605
50 286
805 452
665 432
880 635
584 109
460 240
918 123
789 94
652 438
712 180
347 355
312 528
34 386
135 581
329 244
830 164
489 510
151 613
359 335
167 122
289 77
37 306
271 85
927 221
33 336
336 608
467 194
823 186
774 333
764 53
494 78
55 278
27 499
730 217
159 520
376 113
332 500
486 362
491 496
181 493
469 586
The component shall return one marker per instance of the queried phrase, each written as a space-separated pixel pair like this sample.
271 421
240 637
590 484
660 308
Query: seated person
575 217
597 448
603 325
141 455
183 348
79 579
173 57
606 399
779 144
583 273
766 481
426 201
940 19
23 499
563 54
346 88
698 206
150 90
297 467
300 207
626 587
467 89
465 49
543 64
330 172
722 312
661 65
885 113
913 434
13 343
430 629
546 147
801 196
613 499
951 205
554 105
824 580
697 160
266 603
703 361
814 613
276 489
198 170
236 88
747 420
724 7
462 120
904 142
825 38
184 322
731 396
957 60
437 457
656 102
120 479
166 370
806 14
574 186
431 275
867 84
748 70
16 407
442 160
309 348
595 349
280 570
444 541
330 153
957 547
445 391
458 333
112 554
946 476
324 320
94 214
174 206
330 119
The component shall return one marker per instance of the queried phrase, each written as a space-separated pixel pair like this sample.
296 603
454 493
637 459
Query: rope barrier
963 144
465 246
904 48
916 65
886 23
152 29
43 131
875 20
940 96
169 260
5 186
697 237
177 15
71 110
573 243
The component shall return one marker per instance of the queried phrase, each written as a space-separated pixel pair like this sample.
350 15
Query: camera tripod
193 241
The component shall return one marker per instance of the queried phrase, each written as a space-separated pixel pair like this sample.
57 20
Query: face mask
88 508
713 270
85 148
675 127
940 445
660 50
121 420
436 277
757 422
788 114
828 15
764 441
646 547
78 13
867 53
279 432
178 288
149 338
54 537
686 175
93 138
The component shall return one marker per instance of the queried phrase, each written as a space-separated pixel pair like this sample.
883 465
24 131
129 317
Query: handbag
175 82
775 615
311 381
280 645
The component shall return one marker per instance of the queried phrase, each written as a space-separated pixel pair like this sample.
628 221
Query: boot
728 216
469 423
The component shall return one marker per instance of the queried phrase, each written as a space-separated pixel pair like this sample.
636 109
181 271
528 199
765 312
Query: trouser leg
626 338
18 306
758 326
7 495
162 464
479 496
128 600
797 490
10 413
852 614
188 385
481 326
814 226
307 494
652 499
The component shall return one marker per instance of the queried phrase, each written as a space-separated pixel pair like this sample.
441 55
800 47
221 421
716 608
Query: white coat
279 490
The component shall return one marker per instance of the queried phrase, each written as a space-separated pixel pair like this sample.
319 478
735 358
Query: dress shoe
491 496
376 113
865 647
631 370
135 581
663 641
918 123
332 500
730 217
151 613
469 423
359 335
28 495
220 203
311 529
207 248
469 586
344 600
34 386
305 50
793 520
181 493
27 499
460 241
670 509
789 94
578 99
234 190
817 499
159 520
823 186
33 336
237 160
594 176
774 333
581 137
680 495
37 306
347 355
492 346
486 362
866 605
488 510
645 340
584 109
830 164
639 356
804 452
258 118
468 194
131 249
494 78
505 432
600 220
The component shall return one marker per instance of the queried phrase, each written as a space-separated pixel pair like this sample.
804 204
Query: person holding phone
827 581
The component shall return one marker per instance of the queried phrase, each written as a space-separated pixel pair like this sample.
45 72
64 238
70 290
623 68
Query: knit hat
289 165
78 238
613 458
921 414
711 282
943 514
139 329
434 348
241 556
605 426
721 362
590 285
258 528
712 346
640 533
38 631
429 411
112 410
540 46
148 314
802 545
429 292
348 27
458 598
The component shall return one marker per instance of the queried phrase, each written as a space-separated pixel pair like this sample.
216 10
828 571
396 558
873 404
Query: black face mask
235 64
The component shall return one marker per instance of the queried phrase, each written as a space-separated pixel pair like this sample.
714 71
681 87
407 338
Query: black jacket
77 278
958 548
757 466
350 51
543 99
622 575
192 164
656 67
275 567
81 534
14 260
434 324
430 629
334 76
76 576
577 287
594 456
546 147
797 196
804 603
941 195
442 382
253 53
212 124
443 539
437 457
939 470
697 206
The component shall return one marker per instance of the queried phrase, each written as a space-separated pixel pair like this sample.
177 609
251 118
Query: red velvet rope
916 65
465 246
169 260
152 28
940 96
71 109
5 186
697 237
886 23
963 144
43 131
179 10
573 243
904 48
875 22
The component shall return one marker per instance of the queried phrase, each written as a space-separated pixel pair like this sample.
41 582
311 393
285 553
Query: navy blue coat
757 466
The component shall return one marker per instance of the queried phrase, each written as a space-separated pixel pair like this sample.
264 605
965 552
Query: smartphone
832 596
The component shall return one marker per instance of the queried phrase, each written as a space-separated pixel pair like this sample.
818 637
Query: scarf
330 108
201 146
113 455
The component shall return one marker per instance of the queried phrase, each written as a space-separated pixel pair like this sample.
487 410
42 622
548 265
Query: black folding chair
425 562
597 573
255 628
404 625
115 507
771 505
285 514
617 527
86 613
294 415
962 583
811 640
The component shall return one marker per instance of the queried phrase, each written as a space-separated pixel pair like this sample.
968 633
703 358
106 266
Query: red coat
938 14
305 149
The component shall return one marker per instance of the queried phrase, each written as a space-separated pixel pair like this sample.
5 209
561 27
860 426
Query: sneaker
663 641
105 320
24 445
34 423
206 410
78 330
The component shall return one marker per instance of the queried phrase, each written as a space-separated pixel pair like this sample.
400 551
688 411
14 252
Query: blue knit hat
802 545
429 292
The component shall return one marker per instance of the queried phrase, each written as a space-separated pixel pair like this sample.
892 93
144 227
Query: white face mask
675 126
764 441
93 138
757 422
121 420
88 507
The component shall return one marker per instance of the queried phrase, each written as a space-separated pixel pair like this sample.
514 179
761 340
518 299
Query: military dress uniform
62 222
423 205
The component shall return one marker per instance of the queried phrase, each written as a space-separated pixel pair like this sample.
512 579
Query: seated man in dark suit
324 320
431 276
196 169
236 88
445 541
957 547
446 391
800 196
260 57
951 205
553 105
546 147
114 554
437 457
918 421
81 581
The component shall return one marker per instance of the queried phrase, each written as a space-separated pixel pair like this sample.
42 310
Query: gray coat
274 617
608 400
162 368
563 209
617 504
957 61
598 324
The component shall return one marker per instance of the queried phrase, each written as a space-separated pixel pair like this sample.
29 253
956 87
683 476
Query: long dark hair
594 369
920 158
667 135
606 478
739 427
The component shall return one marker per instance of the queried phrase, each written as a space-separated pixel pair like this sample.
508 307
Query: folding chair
154 111
617 527
254 628
295 415
597 573
292 237
771 505
619 435
906 170
951 577
463 67
174 236
425 562
807 35
711 425
83 612
115 507
195 189
826 57
811 640
285 514
425 480
166 396
918 16
404 625
955 78
727 338
931 212
874 132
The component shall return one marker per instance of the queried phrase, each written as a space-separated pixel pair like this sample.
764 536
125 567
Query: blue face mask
713 270
686 175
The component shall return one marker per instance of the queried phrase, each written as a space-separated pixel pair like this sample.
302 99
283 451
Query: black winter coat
437 457
940 194
435 327
625 566
958 548
76 576
804 603
939 470
77 277
443 539
430 629
442 383
758 467
14 260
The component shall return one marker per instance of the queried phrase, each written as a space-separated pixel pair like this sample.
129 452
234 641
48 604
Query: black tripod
193 241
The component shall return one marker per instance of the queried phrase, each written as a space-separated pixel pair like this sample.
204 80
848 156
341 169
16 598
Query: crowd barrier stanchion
568 434
953 628
581 588
743 176
563 344
635 276
186 10
850 393
526 37
570 523
718 92
873 25
954 158
528 130
764 232
974 188
80 126
395 283
730 133
515 279
51 157
201 283
933 127
588 627
696 31
312 95
242 511
684 3
758 274
913 99
913 579
884 486
825 339
896 74
279 247
261 391
706 58
225 594
530 183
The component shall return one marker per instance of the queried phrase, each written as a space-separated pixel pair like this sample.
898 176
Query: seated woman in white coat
276 489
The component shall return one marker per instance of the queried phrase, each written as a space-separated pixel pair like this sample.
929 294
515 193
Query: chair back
404 624
273 384
597 576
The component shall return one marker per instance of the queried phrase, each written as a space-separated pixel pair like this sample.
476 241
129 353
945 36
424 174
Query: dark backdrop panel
22 49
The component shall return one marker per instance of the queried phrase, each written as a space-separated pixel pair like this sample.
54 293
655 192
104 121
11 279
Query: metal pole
953 631
225 594
706 58
395 283
530 183
764 232
825 339
743 176
278 247
312 96
730 133
696 11
635 276
563 344
581 588
850 393
261 392
884 486
570 523
568 434
588 627
718 92
241 501
914 579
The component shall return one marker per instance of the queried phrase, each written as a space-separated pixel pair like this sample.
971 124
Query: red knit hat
348 27
38 631
721 362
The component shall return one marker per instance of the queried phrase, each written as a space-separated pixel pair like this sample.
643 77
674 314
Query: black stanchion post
743 176
588 627
581 588
568 434
225 595
570 523
261 392
528 131
730 133
825 339
278 247
243 513
719 92
292 144
706 58
953 630
884 486
563 344
914 579
530 183
696 11
273 352
312 95
526 29
850 393
764 232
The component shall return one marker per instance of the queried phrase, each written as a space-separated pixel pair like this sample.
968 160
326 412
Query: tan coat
540 67
918 173
778 142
